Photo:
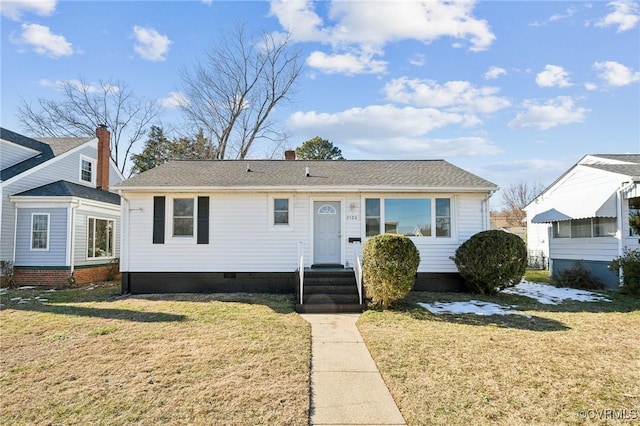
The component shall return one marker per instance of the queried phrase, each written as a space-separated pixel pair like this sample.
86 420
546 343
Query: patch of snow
3 291
550 295
26 287
471 307
15 299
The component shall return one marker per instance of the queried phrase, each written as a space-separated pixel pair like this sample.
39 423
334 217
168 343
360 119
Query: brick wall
54 278
97 273
57 278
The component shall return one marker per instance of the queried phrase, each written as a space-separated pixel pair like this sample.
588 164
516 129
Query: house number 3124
352 217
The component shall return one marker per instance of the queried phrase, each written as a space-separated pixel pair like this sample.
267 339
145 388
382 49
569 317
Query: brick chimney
290 154
102 174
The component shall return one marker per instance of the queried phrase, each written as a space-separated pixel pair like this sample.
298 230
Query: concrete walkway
346 386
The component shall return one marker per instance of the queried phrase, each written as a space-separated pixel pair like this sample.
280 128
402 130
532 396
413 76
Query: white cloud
207 2
591 86
347 63
174 100
494 72
376 121
625 15
417 60
361 30
553 76
554 112
453 95
616 74
373 130
150 44
43 41
556 17
15 8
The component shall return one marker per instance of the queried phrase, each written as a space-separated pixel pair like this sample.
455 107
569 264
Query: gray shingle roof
420 174
62 145
63 188
628 158
621 169
48 148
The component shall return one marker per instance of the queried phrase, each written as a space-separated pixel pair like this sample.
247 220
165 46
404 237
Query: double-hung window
87 170
414 217
40 231
280 211
183 217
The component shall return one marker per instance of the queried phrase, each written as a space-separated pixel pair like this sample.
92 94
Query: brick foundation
58 278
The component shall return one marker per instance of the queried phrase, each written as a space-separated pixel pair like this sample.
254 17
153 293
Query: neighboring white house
57 218
584 215
237 225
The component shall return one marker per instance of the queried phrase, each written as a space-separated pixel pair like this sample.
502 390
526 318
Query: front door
326 232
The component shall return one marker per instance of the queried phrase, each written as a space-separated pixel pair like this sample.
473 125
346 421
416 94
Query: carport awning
595 204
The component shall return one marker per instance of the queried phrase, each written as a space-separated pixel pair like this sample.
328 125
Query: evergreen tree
318 149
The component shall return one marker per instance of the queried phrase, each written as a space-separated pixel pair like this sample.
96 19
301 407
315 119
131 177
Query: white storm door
326 232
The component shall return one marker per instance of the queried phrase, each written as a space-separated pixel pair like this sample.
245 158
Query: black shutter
203 220
158 220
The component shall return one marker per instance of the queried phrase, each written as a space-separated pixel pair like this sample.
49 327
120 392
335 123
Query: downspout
72 243
15 233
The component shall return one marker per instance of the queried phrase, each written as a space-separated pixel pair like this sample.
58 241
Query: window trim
48 240
113 239
93 163
271 219
433 197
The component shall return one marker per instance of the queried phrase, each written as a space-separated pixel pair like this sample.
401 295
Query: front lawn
87 356
543 365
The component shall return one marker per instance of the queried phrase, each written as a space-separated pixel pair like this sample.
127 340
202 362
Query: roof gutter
303 189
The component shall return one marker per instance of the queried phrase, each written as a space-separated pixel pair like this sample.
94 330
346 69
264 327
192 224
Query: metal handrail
357 253
301 269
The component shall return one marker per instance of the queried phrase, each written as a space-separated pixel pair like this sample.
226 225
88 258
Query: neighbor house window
408 216
87 169
604 226
585 228
281 211
562 229
581 228
100 237
634 209
40 231
183 217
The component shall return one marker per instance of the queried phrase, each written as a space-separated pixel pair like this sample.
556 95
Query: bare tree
516 197
84 106
232 92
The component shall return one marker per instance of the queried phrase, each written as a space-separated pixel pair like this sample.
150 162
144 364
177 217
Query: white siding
599 249
241 238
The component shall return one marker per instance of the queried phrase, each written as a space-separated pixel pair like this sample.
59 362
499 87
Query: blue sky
511 90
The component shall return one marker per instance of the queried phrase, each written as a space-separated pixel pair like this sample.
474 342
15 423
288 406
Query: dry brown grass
87 357
561 365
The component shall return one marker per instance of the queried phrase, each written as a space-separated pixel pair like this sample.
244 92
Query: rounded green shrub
490 261
629 262
389 266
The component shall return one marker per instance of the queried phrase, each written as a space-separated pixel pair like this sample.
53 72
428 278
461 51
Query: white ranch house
245 225
584 215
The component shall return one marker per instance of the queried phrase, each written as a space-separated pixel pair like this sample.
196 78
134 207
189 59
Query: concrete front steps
329 290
